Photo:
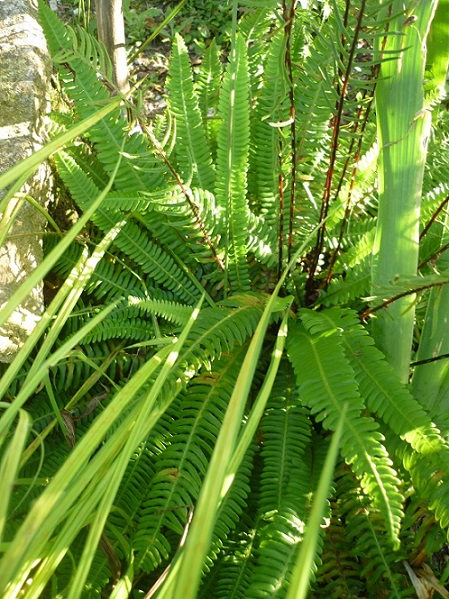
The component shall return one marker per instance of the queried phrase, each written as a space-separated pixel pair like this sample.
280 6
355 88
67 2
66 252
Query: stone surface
24 77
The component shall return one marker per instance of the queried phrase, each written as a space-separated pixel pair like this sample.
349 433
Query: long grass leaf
304 565
9 466
146 415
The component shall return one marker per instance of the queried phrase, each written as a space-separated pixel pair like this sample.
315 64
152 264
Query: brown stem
433 256
281 223
289 16
325 203
434 217
394 298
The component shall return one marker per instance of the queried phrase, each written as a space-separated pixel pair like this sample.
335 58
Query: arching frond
208 90
286 433
132 240
268 116
346 568
326 381
85 84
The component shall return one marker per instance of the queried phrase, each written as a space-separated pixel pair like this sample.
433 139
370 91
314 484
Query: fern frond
172 311
338 575
120 325
208 90
277 543
232 578
90 50
358 558
99 578
191 229
353 286
424 452
268 112
154 262
231 510
139 168
286 432
232 158
132 240
326 381
383 393
366 531
136 484
315 99
354 264
256 26
76 368
192 153
220 329
112 279
261 240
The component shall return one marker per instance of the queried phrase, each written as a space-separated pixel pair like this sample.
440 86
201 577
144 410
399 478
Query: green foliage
174 443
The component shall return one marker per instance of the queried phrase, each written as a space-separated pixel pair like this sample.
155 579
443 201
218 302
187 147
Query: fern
383 393
192 153
208 90
218 330
139 169
132 241
326 382
265 134
365 554
277 542
182 466
232 156
286 432
268 155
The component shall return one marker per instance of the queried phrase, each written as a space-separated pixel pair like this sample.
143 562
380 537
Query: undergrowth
211 329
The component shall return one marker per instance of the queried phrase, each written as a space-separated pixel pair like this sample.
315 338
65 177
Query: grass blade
304 564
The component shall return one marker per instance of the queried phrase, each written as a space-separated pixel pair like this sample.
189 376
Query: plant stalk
403 131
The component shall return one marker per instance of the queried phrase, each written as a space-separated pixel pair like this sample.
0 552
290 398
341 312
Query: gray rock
24 76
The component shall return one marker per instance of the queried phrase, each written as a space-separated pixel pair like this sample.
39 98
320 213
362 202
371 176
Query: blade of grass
304 564
184 576
46 318
99 371
157 31
255 416
9 466
33 161
69 483
104 473
147 414
403 129
32 382
17 298
75 291
72 288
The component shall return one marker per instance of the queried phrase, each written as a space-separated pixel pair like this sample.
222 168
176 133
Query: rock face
24 77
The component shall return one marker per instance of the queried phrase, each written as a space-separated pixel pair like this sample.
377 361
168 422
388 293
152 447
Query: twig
433 217
389 301
333 154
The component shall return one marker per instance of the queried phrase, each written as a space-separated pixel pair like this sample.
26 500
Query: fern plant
212 328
